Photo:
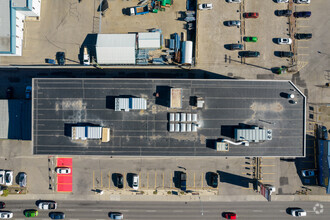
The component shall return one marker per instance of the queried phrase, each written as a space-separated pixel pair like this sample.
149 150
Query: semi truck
139 10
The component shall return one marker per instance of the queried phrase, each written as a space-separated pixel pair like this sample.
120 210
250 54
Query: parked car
249 54
300 36
233 23
285 54
284 41
324 133
31 213
86 57
22 179
135 182
286 13
298 212
2 205
116 215
63 170
308 173
282 1
183 181
2 177
60 57
120 181
6 215
233 1
46 205
9 177
28 91
57 215
229 215
251 15
207 6
302 14
303 1
10 92
235 47
213 180
250 39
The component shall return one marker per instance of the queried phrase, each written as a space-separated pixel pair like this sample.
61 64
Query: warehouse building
170 117
12 17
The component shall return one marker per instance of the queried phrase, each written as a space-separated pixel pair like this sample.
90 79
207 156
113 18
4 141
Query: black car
2 205
60 57
57 215
302 14
120 181
10 92
249 54
235 47
285 54
286 13
183 181
214 180
303 36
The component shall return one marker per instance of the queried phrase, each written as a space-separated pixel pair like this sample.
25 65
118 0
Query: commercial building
173 117
12 17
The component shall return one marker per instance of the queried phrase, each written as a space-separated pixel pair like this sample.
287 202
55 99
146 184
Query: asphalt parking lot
266 27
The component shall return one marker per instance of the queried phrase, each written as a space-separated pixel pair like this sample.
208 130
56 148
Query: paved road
172 210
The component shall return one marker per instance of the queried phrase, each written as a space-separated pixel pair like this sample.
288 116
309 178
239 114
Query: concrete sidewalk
205 198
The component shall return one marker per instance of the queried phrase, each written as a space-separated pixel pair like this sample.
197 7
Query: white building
12 16
115 49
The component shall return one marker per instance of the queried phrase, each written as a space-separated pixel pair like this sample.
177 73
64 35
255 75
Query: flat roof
229 104
5 22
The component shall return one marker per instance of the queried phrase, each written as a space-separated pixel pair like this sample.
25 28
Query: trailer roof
229 104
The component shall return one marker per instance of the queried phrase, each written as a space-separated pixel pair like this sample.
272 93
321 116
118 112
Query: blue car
324 133
57 215
302 14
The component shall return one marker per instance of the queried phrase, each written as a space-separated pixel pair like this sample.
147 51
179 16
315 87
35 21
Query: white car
9 177
46 205
2 177
303 1
135 182
6 215
116 215
63 170
284 41
233 1
207 6
86 60
298 212
282 1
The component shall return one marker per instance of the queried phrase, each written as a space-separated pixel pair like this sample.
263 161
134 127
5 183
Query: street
174 210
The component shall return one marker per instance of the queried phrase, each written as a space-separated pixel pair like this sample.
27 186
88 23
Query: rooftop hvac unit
188 127
194 117
171 127
183 127
177 116
188 117
183 117
171 116
177 127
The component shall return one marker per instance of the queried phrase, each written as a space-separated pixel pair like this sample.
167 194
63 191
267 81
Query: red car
251 15
2 205
230 215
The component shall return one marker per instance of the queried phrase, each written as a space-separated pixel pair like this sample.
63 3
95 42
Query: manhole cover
284 181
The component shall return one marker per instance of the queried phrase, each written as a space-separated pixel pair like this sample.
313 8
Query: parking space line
163 180
101 180
303 54
202 181
303 47
155 179
267 165
271 181
147 180
194 180
246 188
109 179
125 180
303 26
93 179
268 173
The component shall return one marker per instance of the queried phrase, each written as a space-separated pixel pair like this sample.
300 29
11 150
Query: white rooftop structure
149 40
115 48
86 132
255 134
130 103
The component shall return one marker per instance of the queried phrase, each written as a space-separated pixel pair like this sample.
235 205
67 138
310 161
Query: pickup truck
139 10
183 181
46 205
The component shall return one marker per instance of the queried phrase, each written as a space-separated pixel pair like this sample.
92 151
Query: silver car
116 215
233 1
22 179
233 23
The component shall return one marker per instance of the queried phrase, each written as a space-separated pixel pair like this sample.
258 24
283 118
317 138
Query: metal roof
115 48
130 103
149 40
5 22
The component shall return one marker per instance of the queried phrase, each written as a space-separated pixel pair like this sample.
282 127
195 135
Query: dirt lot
64 25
